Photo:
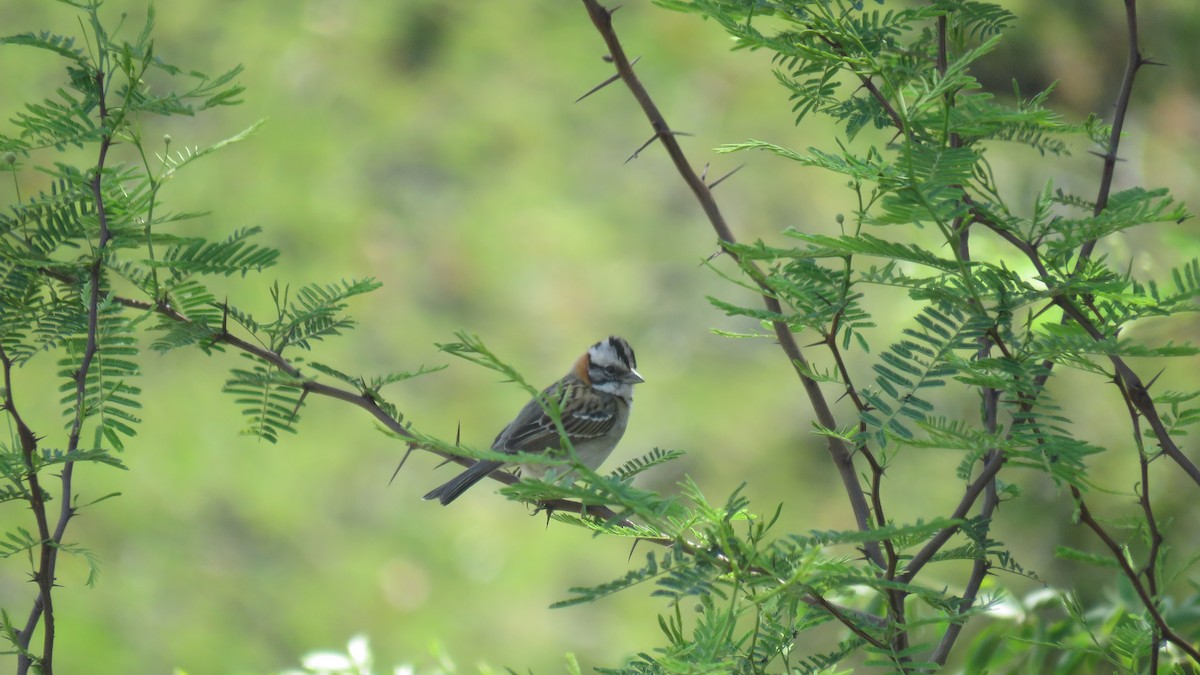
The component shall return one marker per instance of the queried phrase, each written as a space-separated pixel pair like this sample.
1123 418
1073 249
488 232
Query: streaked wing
533 430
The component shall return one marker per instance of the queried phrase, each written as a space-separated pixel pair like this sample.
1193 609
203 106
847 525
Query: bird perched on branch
594 398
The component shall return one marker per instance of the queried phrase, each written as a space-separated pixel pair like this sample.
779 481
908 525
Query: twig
1133 63
838 449
37 503
981 567
1131 575
845 615
48 557
605 83
1139 396
655 137
720 180
973 491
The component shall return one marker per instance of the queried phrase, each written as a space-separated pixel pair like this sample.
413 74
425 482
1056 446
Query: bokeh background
436 147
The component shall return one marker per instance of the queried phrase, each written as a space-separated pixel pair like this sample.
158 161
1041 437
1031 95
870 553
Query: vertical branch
839 451
991 396
962 224
1134 579
895 596
37 504
1133 63
48 550
1155 535
981 566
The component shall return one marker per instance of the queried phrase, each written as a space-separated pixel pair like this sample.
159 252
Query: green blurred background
435 146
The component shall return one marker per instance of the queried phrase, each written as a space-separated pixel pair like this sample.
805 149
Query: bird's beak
634 378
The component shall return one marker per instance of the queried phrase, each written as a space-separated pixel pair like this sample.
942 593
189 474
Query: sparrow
594 399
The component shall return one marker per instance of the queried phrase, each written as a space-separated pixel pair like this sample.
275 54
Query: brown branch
1118 554
359 399
981 567
973 491
839 451
605 83
837 613
1133 63
1140 405
37 504
1138 394
1150 570
369 404
48 555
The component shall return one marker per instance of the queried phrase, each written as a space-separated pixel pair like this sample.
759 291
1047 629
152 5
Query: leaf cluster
93 266
981 328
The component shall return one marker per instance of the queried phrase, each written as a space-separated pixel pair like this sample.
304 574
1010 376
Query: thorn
607 82
654 138
1153 380
538 507
614 10
718 181
1043 310
641 148
636 541
704 173
457 442
224 328
710 258
403 459
299 402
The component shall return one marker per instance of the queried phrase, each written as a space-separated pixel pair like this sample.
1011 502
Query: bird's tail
451 489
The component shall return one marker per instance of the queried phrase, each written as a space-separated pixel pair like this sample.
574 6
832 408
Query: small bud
166 139
840 218
10 158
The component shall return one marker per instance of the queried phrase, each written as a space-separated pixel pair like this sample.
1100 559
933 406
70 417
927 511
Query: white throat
616 388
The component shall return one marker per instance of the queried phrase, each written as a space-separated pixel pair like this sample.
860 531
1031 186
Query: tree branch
1133 63
1131 575
839 451
48 555
37 504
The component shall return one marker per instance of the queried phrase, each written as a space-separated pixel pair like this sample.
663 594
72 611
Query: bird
594 399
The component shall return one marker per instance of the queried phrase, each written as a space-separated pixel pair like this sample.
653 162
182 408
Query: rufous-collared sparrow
594 398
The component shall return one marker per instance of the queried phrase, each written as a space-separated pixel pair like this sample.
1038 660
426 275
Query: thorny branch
839 451
1133 63
984 484
1132 387
369 404
1131 575
1131 384
43 606
37 499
